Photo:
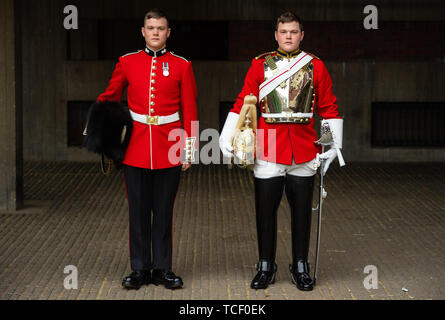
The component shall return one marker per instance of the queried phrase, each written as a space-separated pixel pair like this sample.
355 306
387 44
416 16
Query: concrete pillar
11 151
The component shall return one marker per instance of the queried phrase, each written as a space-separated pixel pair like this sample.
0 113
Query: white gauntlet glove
225 140
336 143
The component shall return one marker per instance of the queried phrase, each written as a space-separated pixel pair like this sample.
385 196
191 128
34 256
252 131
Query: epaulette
127 54
179 56
313 55
264 54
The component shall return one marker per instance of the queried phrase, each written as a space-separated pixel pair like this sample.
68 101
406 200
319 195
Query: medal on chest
165 69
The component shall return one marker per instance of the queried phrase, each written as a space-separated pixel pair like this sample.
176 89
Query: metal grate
408 124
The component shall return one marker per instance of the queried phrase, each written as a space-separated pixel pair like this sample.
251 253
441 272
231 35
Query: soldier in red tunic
159 85
290 86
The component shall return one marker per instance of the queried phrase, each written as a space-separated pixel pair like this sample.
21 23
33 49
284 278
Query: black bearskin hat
108 130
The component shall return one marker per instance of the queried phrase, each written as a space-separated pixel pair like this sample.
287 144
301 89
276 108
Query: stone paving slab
391 216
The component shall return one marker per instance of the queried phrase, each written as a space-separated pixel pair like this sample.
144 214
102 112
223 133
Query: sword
321 196
326 137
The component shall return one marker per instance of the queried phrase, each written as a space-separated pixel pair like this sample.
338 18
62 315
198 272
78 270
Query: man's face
155 33
289 36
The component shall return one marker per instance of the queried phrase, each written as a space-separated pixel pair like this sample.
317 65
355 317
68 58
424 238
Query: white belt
154 120
287 115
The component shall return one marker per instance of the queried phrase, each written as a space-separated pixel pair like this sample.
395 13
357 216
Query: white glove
336 127
225 140
328 156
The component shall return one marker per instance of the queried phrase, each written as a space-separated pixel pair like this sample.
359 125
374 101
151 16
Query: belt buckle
152 120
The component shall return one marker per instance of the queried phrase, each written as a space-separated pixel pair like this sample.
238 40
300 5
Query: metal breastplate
292 98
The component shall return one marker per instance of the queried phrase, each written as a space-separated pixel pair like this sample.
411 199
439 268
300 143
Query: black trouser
268 194
151 191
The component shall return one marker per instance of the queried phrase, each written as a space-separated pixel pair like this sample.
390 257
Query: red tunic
292 140
151 92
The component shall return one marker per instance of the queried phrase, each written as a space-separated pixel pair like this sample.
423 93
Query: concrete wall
44 103
50 81
11 159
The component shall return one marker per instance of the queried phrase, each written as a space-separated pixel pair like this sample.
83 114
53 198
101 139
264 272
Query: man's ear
276 36
168 32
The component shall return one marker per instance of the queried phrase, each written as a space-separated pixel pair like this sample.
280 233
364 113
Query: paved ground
391 216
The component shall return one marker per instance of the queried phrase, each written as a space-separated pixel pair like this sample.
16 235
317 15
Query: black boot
268 194
136 279
166 278
300 275
299 191
265 276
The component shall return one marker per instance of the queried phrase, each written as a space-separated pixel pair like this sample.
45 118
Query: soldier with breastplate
291 85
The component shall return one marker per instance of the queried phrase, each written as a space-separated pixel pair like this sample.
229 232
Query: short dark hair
289 16
155 13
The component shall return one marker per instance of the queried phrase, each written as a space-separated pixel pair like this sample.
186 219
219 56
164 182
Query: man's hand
186 166
226 148
225 139
335 127
328 156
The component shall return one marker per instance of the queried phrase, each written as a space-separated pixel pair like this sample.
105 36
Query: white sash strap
154 120
283 74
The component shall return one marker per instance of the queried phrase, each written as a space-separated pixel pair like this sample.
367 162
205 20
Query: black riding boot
300 275
299 191
268 194
265 276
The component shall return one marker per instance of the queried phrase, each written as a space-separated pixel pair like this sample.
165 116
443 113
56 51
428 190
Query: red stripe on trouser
128 202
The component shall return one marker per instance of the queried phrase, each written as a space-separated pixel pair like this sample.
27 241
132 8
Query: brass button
153 89
152 103
153 74
152 96
152 110
155 61
154 67
153 81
